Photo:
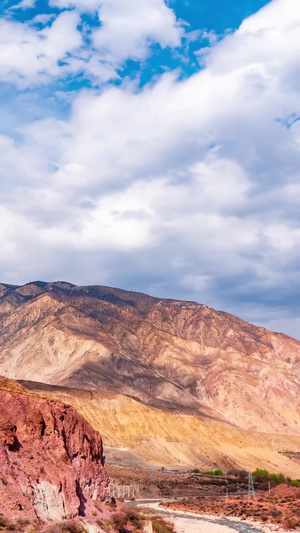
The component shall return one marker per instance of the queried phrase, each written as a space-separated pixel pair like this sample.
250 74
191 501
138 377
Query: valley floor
186 522
199 525
270 510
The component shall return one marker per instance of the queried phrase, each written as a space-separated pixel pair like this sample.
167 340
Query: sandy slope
174 439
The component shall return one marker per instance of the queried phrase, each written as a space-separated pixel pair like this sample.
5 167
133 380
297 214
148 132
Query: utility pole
251 491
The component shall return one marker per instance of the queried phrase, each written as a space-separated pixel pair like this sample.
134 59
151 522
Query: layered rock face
138 434
171 354
51 459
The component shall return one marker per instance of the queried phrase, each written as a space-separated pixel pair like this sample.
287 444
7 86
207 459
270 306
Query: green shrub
218 473
196 471
260 474
278 478
263 475
214 473
295 483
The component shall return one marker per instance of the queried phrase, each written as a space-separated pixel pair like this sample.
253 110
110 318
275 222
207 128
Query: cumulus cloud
126 29
82 5
29 56
183 188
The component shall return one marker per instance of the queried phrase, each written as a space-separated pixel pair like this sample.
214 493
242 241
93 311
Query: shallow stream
242 527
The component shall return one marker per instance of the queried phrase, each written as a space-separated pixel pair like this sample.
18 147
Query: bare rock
51 459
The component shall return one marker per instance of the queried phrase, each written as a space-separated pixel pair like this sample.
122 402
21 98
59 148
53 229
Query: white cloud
189 185
127 29
82 5
24 4
267 42
29 56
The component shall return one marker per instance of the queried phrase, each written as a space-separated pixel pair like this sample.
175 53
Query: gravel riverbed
186 522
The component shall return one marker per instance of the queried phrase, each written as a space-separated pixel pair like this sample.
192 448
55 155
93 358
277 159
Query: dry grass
8 385
66 527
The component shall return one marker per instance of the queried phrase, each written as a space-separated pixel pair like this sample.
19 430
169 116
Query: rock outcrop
51 459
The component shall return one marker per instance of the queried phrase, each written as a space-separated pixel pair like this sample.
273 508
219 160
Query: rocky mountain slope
136 435
51 459
170 354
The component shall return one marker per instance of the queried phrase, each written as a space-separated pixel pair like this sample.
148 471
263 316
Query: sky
154 146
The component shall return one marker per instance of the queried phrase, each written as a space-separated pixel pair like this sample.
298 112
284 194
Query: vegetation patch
214 473
263 475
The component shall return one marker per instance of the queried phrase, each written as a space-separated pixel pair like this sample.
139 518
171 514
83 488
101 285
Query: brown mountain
168 353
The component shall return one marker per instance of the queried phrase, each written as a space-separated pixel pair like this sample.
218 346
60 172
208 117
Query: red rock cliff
51 459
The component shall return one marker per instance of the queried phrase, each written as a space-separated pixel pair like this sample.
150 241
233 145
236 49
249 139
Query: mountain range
201 375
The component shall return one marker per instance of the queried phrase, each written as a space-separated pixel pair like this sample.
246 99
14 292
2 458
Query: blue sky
198 18
154 146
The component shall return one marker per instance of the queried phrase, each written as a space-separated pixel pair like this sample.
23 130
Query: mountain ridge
64 284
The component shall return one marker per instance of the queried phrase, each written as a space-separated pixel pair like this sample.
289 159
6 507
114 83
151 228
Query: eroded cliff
51 459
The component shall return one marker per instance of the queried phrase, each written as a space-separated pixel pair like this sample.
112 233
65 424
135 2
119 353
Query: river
191 523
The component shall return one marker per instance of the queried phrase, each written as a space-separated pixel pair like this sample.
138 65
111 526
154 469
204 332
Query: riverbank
277 509
189 522
185 525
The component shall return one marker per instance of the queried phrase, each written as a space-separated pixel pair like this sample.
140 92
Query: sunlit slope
174 438
167 353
